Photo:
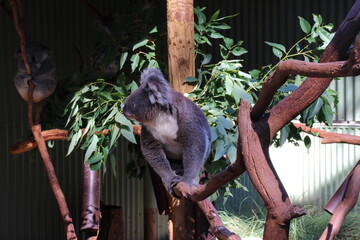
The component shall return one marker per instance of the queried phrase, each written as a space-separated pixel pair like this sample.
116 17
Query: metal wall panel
28 209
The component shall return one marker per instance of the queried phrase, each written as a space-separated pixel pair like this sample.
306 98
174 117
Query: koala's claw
172 192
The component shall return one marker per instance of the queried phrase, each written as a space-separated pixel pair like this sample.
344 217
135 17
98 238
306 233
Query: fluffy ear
157 87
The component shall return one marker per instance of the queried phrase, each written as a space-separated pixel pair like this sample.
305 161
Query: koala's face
36 54
138 106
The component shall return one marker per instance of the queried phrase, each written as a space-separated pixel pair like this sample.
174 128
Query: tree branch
312 88
348 202
264 178
59 195
216 225
328 137
274 81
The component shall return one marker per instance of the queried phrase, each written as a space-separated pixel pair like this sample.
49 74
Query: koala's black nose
127 112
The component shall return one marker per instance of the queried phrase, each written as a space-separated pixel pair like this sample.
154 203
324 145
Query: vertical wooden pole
181 57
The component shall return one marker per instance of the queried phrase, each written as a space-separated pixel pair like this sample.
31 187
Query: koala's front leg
155 156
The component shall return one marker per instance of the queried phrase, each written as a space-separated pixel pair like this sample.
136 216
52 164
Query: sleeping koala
43 68
175 136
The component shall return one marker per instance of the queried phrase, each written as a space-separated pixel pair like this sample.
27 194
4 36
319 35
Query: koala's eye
132 104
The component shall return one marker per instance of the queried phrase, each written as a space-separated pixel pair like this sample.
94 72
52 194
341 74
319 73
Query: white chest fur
164 128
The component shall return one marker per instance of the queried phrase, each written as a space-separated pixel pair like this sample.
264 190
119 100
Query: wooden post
181 59
181 56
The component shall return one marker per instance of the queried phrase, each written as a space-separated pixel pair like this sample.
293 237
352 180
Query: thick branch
216 225
312 88
347 203
265 179
55 186
328 137
53 134
297 67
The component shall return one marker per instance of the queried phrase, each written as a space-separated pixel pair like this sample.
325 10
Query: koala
43 69
175 136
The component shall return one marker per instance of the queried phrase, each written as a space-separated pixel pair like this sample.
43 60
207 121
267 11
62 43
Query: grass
309 227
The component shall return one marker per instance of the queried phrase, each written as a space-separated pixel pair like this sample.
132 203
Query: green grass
309 227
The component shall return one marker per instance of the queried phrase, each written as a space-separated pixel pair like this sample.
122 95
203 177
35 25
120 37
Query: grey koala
175 136
43 69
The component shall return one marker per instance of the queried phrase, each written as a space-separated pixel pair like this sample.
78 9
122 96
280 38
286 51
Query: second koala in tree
174 129
43 69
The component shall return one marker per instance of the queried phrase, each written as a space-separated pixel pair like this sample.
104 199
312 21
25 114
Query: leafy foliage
97 122
220 86
125 46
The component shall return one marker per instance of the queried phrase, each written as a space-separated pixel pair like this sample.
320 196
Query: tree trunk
181 58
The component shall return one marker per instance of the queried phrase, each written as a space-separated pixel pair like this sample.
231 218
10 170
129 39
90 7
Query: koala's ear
156 95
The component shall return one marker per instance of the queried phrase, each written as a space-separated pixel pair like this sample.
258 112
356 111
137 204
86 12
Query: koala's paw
172 184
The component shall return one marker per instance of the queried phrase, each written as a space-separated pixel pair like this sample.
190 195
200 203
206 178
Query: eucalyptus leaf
140 44
96 157
276 46
123 58
95 166
219 150
231 153
129 135
305 25
92 147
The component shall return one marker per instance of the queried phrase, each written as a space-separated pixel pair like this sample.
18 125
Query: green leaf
140 44
228 84
92 147
238 51
318 19
284 133
231 153
120 118
277 46
215 16
123 58
307 142
315 108
114 135
328 113
219 150
228 42
222 26
214 133
154 30
95 166
305 25
94 158
112 114
240 93
128 135
277 52
135 62
216 35
74 141
207 59
190 79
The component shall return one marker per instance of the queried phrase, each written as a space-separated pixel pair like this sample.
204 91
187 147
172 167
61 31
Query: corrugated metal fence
27 206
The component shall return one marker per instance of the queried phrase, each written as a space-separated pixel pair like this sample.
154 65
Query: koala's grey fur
174 129
43 69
